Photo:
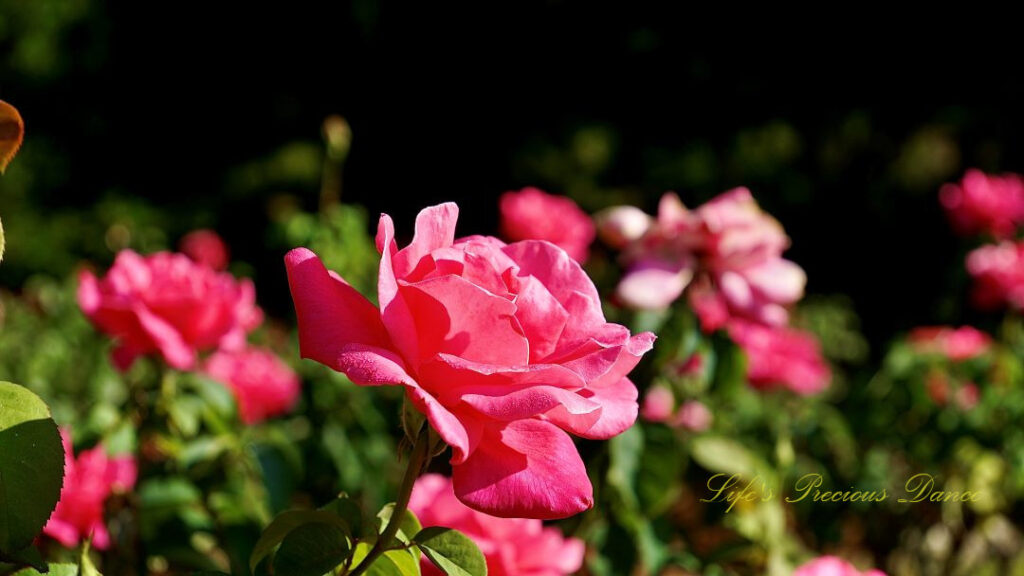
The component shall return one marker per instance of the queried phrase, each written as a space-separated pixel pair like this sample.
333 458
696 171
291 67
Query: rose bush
503 347
169 304
263 385
533 214
89 480
511 546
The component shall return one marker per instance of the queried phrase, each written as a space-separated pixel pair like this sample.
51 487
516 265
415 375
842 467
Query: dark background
159 105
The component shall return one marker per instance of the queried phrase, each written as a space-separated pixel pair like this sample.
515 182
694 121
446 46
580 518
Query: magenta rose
985 204
263 385
205 247
88 481
998 272
511 546
503 347
957 344
532 214
781 357
169 304
832 566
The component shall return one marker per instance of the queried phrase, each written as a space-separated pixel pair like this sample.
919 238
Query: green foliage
452 552
31 467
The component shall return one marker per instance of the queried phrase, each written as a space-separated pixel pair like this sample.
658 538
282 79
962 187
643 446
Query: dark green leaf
31 466
351 513
285 524
312 549
452 551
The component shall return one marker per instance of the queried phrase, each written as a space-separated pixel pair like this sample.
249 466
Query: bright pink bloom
205 247
957 344
532 214
984 204
832 566
167 303
659 404
263 385
88 481
733 248
503 347
998 271
693 415
781 356
511 546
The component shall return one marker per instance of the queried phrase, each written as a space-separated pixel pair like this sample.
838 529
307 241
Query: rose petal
527 469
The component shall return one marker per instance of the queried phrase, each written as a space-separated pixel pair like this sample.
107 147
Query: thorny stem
417 462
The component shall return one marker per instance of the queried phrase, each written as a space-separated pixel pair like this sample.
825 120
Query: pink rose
503 347
727 252
263 385
781 356
167 303
205 247
693 415
957 344
511 546
984 204
832 566
998 271
659 404
532 214
88 481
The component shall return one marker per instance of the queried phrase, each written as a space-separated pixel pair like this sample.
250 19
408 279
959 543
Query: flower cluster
956 344
985 204
89 480
511 546
727 256
503 347
998 272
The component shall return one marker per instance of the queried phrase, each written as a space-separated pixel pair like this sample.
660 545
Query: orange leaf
12 130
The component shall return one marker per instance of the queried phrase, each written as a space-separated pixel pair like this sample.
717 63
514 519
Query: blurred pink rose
956 344
511 546
693 415
205 247
659 404
781 356
832 566
727 251
263 385
967 396
620 225
998 271
88 481
532 214
167 303
985 204
503 347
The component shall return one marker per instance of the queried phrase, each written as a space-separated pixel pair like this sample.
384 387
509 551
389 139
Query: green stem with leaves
417 463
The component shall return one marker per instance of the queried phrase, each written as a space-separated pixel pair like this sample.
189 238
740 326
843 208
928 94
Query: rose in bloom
169 304
532 214
503 347
511 546
727 251
985 204
957 344
832 566
781 356
205 247
263 385
998 272
88 481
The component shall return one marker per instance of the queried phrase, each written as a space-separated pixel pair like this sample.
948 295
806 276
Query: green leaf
31 466
409 526
312 549
25 557
452 551
287 522
720 454
54 570
392 563
351 513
